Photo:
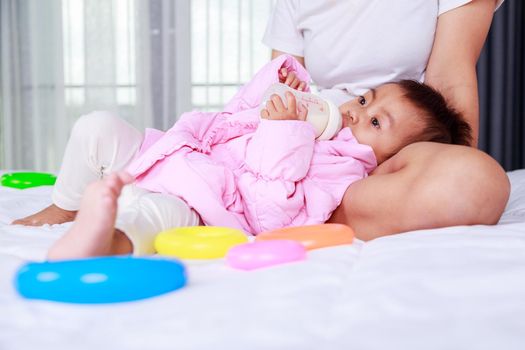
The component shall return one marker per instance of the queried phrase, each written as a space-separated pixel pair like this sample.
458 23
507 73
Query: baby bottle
322 114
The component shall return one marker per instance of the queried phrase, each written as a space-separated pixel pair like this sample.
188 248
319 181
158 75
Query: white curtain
62 59
146 60
31 80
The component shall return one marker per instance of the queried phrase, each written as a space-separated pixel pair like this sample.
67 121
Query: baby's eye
361 100
375 122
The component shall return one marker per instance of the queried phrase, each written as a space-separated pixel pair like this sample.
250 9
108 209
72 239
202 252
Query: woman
351 46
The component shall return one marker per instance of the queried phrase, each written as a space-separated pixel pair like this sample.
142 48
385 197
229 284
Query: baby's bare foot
50 215
93 229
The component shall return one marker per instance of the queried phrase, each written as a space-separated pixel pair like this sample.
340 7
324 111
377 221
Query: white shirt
351 46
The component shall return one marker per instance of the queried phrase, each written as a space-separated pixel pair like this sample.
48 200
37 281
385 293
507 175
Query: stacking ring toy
312 237
99 280
198 242
23 180
255 255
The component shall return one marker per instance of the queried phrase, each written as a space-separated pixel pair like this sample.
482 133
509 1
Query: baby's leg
100 143
93 232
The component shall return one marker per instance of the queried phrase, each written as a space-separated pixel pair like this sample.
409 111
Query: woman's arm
426 185
451 69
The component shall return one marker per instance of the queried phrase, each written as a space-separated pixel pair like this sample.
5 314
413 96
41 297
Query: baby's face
383 119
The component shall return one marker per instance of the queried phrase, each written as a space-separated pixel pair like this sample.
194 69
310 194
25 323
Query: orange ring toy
312 237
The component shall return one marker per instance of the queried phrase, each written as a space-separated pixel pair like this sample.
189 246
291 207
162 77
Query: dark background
501 78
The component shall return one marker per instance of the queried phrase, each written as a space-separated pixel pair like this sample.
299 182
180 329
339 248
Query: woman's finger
301 86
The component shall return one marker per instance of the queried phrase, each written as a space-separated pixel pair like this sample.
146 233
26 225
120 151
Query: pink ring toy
255 255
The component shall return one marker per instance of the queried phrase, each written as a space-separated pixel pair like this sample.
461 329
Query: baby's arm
277 159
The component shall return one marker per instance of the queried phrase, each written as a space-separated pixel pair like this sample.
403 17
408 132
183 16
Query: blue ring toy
100 280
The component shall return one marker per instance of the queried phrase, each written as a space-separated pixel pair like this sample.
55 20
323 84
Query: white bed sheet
452 288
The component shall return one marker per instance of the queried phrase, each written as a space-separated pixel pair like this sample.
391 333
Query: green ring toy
22 180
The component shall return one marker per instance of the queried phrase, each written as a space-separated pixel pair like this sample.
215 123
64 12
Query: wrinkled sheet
451 288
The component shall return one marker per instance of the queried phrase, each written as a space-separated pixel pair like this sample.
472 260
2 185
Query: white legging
101 143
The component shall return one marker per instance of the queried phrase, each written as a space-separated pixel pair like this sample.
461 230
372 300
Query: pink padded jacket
239 171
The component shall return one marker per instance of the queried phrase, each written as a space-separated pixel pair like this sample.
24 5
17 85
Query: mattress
452 288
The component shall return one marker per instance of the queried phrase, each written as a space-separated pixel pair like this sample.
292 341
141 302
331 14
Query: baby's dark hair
443 123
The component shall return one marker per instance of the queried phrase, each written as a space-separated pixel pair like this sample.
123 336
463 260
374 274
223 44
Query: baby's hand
290 79
277 110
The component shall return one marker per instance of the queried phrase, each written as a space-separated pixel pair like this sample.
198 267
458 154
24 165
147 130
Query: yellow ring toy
198 242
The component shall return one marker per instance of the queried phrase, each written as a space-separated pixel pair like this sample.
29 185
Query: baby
233 168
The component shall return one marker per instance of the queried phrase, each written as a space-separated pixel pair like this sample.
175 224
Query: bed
451 288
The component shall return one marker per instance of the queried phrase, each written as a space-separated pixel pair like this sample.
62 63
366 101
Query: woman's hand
277 110
290 79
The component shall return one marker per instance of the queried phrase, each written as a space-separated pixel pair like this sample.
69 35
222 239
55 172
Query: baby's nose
354 118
